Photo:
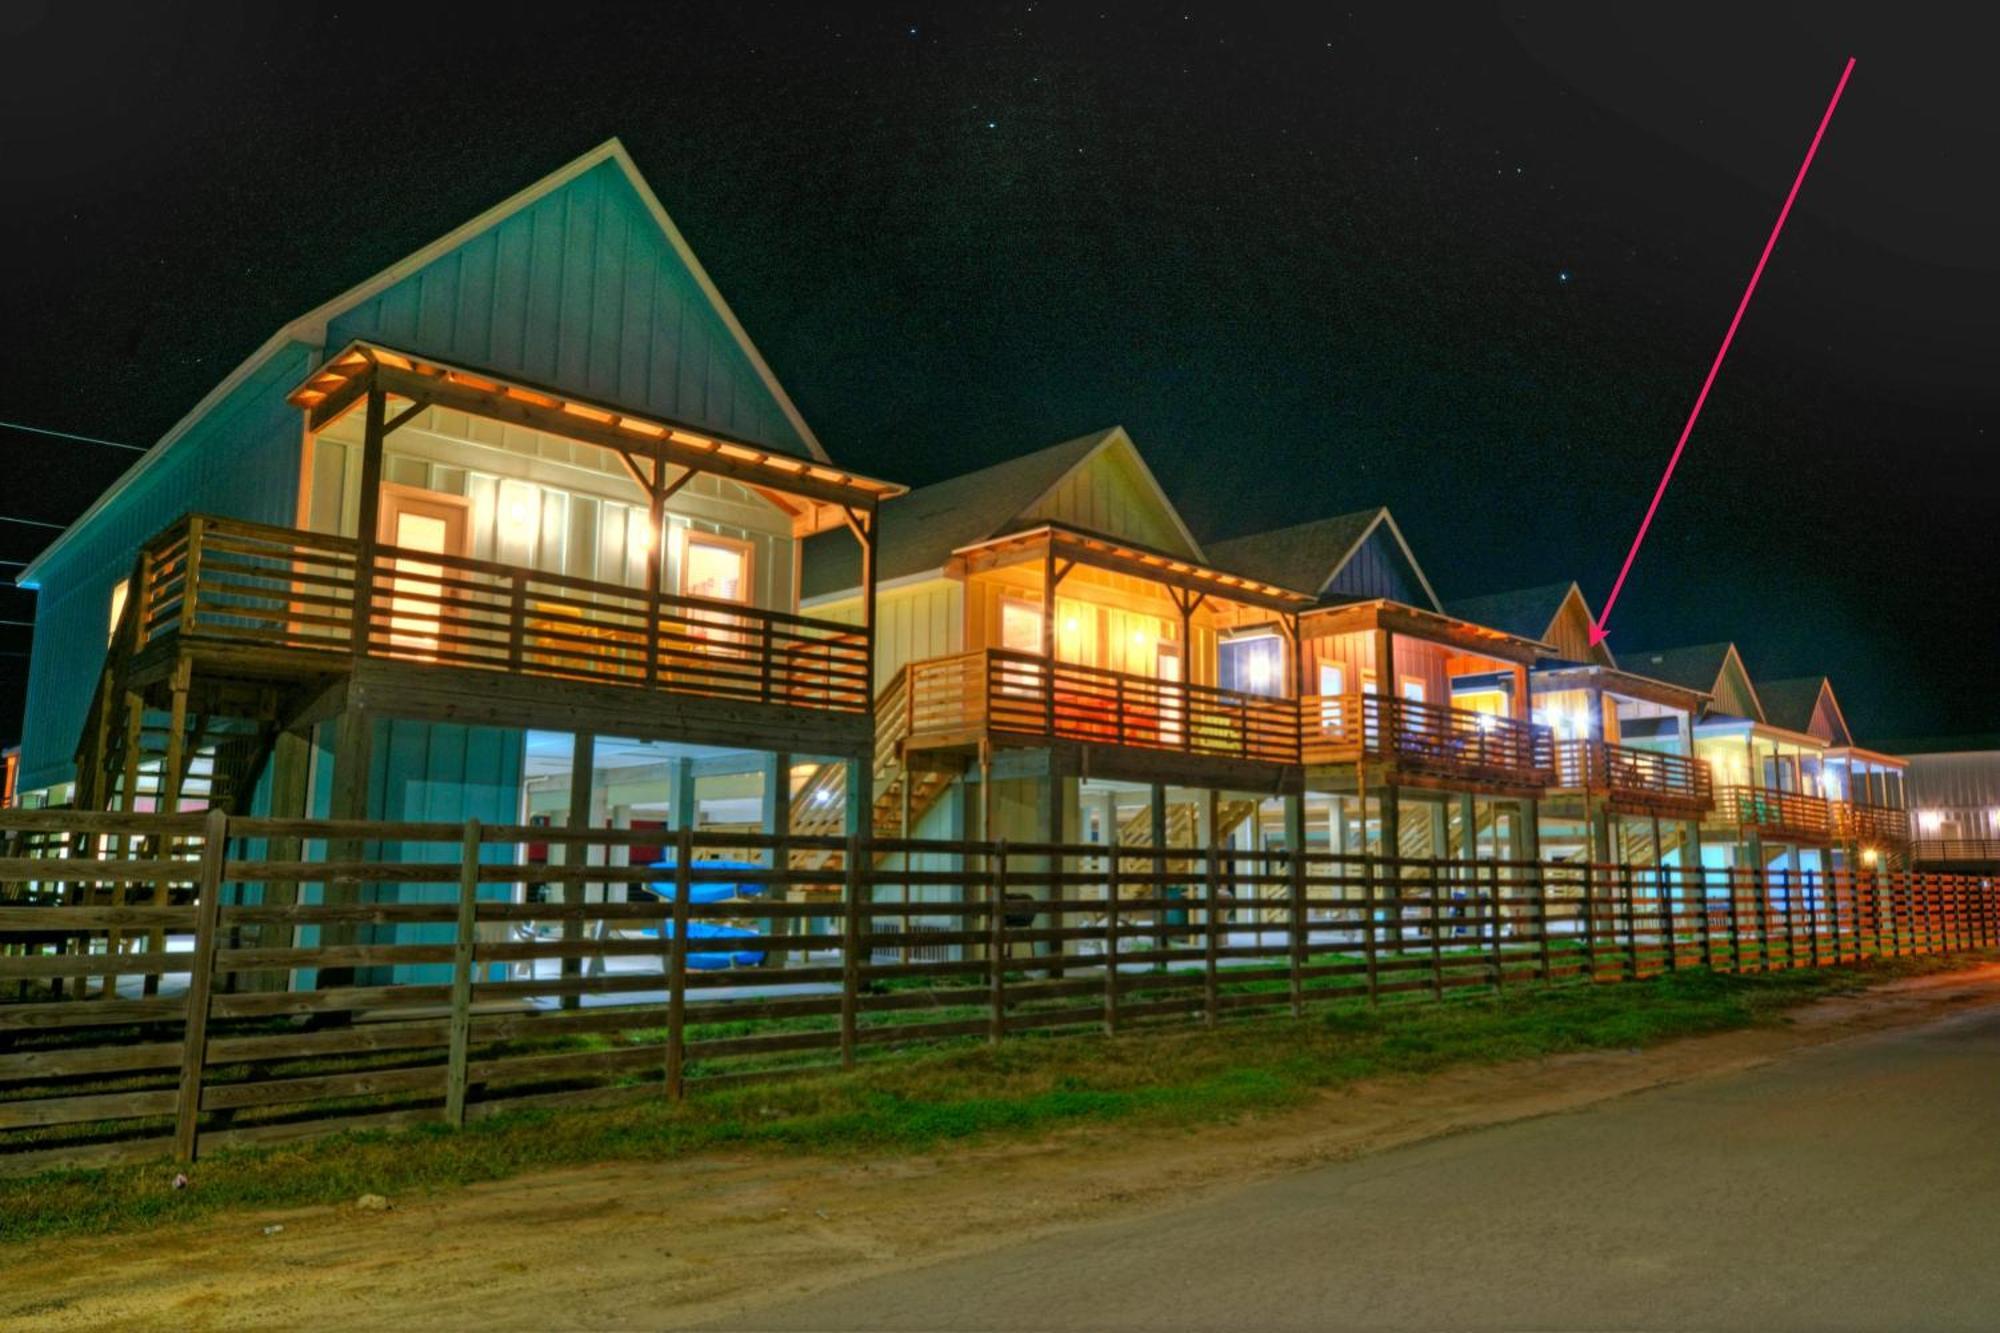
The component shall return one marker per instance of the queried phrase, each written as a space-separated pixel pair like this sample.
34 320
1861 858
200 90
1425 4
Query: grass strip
925 1098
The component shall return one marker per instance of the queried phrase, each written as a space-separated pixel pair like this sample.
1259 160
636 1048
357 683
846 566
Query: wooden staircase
206 749
819 808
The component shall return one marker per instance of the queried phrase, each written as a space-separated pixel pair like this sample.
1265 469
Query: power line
70 435
24 624
32 522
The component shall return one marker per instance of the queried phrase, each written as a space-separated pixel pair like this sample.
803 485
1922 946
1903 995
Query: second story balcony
1647 780
1434 740
1788 815
277 601
1015 696
1869 824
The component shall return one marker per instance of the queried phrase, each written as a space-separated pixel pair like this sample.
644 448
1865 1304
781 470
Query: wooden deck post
368 522
173 767
461 975
201 981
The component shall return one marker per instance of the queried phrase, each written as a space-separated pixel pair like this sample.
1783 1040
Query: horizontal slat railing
260 586
468 970
1634 774
1427 737
1021 694
1955 849
1858 821
1783 812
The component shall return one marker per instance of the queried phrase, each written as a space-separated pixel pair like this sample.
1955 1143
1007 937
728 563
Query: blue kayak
707 891
713 960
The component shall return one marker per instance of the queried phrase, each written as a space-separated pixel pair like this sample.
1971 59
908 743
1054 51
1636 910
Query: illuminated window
1020 626
717 568
1413 690
1332 685
1254 664
120 591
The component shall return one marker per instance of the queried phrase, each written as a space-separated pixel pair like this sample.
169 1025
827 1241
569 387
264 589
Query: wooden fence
175 984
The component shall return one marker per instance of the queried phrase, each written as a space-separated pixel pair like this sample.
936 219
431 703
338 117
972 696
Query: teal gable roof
585 289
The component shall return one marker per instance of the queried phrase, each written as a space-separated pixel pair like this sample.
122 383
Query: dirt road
743 1239
1851 1187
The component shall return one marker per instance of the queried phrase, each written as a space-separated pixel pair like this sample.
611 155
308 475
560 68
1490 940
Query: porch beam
499 406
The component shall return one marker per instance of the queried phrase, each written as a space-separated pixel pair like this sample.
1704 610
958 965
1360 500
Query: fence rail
306 976
250 584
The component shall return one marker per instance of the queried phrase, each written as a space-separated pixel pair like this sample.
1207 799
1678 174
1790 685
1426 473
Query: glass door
419 600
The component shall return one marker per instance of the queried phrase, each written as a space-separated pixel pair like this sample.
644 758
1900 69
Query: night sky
1472 265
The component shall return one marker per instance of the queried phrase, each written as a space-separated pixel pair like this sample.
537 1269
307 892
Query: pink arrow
1597 631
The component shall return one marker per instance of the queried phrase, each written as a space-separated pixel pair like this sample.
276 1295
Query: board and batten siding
1379 569
912 623
1111 494
240 460
589 517
580 290
441 772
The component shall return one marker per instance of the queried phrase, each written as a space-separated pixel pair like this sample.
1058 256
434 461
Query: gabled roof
1697 667
1537 613
1309 556
1792 704
1527 612
921 530
311 328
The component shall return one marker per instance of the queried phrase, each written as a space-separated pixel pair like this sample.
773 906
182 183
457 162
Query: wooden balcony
1429 740
276 595
1652 782
1859 822
995 692
1956 851
1779 814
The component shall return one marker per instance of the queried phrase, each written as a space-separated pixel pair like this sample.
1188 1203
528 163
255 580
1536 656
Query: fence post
1436 921
201 980
850 954
1761 879
1368 925
1589 921
996 948
1211 990
1631 918
1542 918
1833 878
1298 923
461 975
1499 965
1111 949
1812 915
1665 888
1731 878
676 952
